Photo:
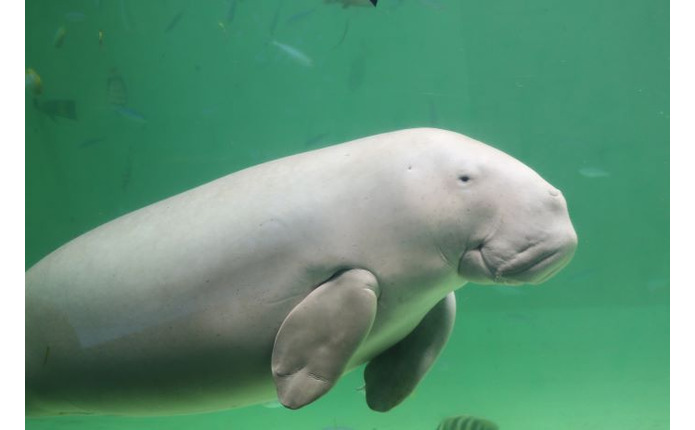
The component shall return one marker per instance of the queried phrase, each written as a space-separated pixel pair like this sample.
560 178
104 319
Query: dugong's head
505 224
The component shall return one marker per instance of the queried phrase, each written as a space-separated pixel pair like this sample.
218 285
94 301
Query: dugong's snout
539 262
549 243
527 247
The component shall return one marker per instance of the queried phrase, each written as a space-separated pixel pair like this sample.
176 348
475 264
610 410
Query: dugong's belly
193 350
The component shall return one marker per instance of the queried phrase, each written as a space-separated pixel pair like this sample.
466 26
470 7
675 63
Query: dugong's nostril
554 192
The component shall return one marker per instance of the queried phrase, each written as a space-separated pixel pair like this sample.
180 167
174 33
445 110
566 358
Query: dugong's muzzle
524 252
538 263
533 265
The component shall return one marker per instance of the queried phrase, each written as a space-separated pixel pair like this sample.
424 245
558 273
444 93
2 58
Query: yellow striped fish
466 422
116 90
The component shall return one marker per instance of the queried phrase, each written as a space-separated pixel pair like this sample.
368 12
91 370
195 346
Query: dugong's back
182 299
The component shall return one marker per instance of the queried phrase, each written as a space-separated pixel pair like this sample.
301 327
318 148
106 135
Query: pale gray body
281 277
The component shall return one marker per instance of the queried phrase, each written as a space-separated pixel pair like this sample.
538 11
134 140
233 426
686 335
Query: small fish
130 114
348 3
59 36
57 108
174 21
466 422
294 53
116 90
300 15
32 82
100 36
231 12
593 172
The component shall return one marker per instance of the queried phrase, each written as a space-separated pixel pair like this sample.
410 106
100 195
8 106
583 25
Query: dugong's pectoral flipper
320 335
391 376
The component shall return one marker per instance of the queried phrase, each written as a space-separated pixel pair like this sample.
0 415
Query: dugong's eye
464 178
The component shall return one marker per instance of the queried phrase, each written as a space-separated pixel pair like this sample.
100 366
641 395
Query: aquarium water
129 102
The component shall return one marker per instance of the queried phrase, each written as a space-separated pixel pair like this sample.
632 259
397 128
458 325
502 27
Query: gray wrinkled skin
276 280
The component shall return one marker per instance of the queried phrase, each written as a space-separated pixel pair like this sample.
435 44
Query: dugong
277 279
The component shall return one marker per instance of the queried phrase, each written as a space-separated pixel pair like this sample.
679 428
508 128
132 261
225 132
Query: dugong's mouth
532 266
534 269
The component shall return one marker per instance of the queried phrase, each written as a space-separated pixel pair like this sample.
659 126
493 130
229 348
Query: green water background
577 90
